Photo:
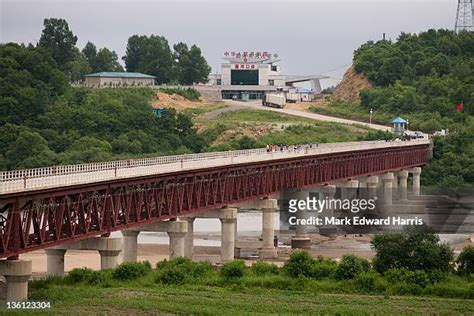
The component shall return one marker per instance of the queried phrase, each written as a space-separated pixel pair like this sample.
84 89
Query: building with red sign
248 75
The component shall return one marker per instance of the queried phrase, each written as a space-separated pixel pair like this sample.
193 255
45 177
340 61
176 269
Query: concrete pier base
189 239
130 245
402 185
301 240
17 273
109 249
55 262
328 192
268 210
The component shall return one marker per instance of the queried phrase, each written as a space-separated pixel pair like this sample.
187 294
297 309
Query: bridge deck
61 176
44 207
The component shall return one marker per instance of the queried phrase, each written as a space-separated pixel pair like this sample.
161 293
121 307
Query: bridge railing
35 178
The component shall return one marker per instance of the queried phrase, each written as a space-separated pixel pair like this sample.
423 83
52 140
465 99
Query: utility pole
464 16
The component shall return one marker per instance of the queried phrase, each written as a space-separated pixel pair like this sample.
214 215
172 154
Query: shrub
395 275
78 275
323 268
233 270
131 270
367 282
350 266
300 264
405 289
465 261
191 269
263 268
172 275
415 249
417 277
96 278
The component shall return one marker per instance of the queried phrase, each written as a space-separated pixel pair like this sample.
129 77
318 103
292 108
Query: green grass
135 288
353 112
285 129
145 297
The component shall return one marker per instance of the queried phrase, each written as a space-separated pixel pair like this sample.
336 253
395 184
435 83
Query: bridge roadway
45 207
61 176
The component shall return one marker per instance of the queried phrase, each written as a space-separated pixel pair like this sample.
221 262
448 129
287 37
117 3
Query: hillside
350 86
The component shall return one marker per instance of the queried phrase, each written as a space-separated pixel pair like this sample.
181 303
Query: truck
274 100
292 97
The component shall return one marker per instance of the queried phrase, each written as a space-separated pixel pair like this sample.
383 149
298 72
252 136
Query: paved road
258 106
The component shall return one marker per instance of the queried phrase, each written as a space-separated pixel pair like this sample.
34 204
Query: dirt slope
350 86
173 101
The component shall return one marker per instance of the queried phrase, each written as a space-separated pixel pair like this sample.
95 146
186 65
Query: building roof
120 75
398 120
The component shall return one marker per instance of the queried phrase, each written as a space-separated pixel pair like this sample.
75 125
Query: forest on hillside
424 76
428 78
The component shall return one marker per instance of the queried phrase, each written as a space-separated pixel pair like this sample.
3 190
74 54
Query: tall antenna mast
464 16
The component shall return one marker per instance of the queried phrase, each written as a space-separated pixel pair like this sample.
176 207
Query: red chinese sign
246 54
245 66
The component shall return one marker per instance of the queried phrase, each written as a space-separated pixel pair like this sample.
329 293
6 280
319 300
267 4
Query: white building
118 79
249 75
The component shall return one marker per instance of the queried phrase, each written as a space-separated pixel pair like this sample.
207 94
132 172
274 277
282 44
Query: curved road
257 105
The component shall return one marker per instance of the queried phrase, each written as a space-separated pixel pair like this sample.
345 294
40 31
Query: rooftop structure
118 79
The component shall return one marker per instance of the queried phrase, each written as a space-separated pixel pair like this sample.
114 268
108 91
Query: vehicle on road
292 97
274 100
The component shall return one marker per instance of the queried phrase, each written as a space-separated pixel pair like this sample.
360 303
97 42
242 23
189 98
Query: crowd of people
296 148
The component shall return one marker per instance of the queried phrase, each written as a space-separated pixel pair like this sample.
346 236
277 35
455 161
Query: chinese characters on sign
246 54
244 66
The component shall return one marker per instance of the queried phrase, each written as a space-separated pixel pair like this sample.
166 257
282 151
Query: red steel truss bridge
44 207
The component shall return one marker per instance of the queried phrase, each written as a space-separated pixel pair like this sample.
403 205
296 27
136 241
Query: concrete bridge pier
387 181
416 172
301 240
108 248
175 229
372 183
328 192
362 192
269 207
395 194
17 273
130 245
349 189
55 261
228 217
189 239
402 187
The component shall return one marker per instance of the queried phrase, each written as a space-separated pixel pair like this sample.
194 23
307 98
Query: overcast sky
310 37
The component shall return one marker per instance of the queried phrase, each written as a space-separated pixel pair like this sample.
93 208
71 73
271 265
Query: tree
106 60
78 68
150 55
90 52
31 81
102 60
191 66
29 150
58 40
415 249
